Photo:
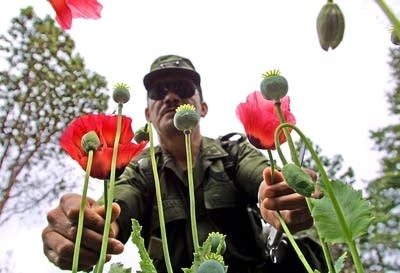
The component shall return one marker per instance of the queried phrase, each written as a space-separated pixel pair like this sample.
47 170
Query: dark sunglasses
183 89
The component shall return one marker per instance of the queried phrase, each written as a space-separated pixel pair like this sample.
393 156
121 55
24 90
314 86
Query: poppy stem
159 203
191 191
292 148
110 190
105 193
294 244
390 15
78 239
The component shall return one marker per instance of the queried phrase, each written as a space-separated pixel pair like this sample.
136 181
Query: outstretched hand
59 236
275 195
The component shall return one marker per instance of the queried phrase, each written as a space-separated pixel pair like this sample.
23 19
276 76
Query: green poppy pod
186 117
90 141
298 180
274 86
121 93
211 266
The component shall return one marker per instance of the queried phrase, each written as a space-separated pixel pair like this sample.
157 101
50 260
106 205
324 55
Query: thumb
269 179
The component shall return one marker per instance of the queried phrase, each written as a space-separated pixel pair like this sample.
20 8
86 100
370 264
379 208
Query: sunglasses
184 89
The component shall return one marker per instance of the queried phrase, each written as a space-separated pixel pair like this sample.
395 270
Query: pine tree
382 246
44 86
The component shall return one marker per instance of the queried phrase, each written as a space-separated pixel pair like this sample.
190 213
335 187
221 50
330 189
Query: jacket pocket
173 210
220 192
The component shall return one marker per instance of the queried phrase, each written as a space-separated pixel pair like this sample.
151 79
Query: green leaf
146 264
356 212
339 264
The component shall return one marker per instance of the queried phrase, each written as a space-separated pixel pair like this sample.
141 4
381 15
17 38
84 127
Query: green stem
272 165
78 239
191 191
329 189
105 191
356 256
292 148
107 224
159 202
294 244
390 15
324 245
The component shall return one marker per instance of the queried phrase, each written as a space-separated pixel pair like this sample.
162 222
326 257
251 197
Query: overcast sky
336 96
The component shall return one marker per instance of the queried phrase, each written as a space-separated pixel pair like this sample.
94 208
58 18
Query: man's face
165 95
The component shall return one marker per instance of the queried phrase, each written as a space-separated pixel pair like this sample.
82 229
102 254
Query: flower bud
142 134
121 93
90 141
186 117
298 180
211 266
330 26
273 86
395 38
215 242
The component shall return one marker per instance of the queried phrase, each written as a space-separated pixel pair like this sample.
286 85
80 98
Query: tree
382 246
44 87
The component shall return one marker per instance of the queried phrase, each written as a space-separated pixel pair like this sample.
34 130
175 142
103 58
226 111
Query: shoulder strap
230 143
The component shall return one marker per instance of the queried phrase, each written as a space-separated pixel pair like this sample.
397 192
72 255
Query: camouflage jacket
227 175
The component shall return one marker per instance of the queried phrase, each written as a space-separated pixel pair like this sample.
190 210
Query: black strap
231 146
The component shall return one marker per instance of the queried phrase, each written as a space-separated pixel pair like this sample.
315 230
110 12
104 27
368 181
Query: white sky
337 96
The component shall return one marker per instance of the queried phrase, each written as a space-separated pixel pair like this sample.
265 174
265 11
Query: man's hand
275 194
59 236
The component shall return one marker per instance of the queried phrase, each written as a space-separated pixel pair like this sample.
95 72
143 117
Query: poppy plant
68 9
260 119
105 127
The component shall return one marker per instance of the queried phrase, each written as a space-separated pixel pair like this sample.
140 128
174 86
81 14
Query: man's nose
171 95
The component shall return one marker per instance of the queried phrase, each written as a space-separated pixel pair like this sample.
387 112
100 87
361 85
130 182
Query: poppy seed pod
273 86
90 141
298 180
186 117
330 26
142 134
211 266
121 93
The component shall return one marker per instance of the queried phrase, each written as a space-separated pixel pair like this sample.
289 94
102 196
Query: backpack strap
230 143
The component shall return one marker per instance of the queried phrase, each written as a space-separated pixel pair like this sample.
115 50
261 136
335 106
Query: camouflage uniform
226 176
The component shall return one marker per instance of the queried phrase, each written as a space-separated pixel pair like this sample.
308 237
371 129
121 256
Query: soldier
228 179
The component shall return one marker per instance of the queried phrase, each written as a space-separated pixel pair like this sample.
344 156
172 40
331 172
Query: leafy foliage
356 211
146 263
382 246
44 86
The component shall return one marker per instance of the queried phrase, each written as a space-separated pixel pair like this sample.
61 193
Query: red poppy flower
68 9
260 119
105 127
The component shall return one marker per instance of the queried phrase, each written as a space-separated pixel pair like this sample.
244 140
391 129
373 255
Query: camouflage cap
171 64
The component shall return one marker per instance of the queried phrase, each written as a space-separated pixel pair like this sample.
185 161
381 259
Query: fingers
276 195
60 251
284 202
296 220
59 236
100 210
269 179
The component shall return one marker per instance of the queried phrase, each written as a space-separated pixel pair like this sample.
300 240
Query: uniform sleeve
132 193
249 168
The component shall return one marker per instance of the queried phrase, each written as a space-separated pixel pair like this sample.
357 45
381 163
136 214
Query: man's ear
147 114
204 109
